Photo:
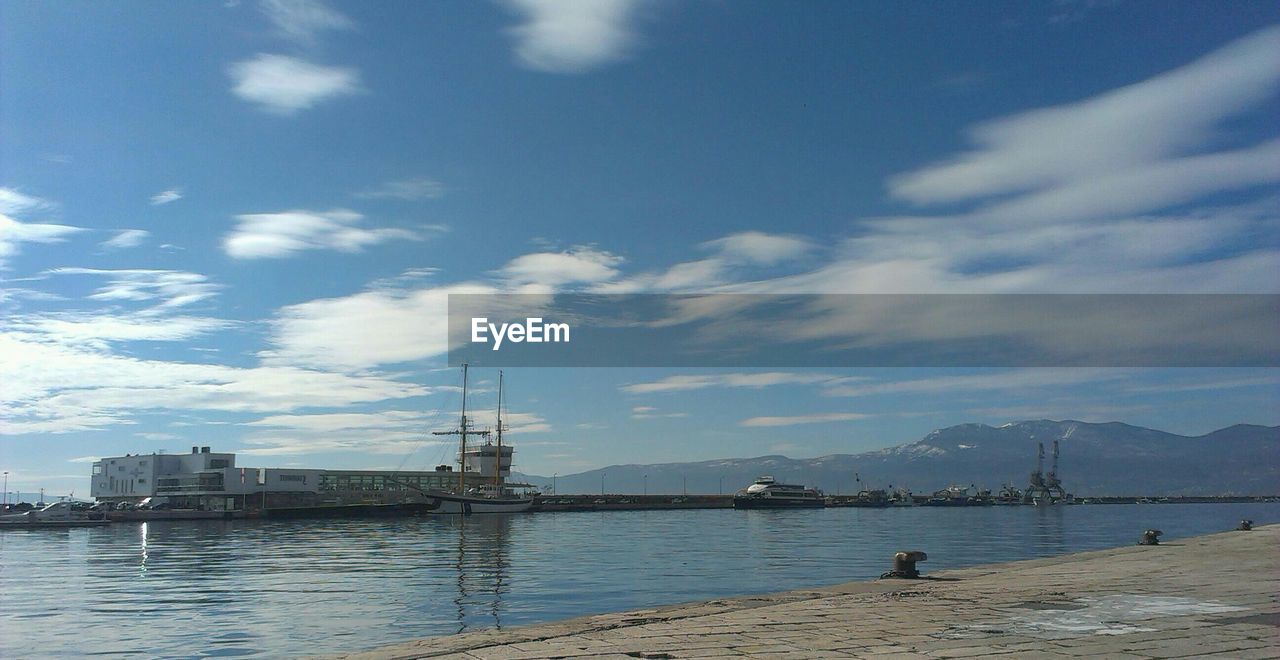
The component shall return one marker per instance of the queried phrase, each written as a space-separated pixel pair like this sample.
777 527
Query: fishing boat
494 497
767 493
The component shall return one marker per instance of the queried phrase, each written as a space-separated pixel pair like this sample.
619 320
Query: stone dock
1210 596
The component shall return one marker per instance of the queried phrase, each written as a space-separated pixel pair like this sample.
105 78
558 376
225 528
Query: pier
1208 596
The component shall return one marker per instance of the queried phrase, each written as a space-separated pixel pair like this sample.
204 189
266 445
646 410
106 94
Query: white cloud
552 269
83 459
684 383
802 419
406 189
275 235
371 328
51 387
755 247
89 329
14 233
573 37
167 196
1017 380
302 20
172 288
650 412
285 85
732 256
1116 132
13 202
128 238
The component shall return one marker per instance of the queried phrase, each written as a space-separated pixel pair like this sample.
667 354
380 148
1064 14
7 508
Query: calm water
250 588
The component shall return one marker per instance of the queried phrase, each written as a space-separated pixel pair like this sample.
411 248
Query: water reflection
482 565
286 588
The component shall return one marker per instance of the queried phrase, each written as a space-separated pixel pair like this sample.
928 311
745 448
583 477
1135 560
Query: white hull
455 505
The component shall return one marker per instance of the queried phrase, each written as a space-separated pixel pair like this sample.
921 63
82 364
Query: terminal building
212 481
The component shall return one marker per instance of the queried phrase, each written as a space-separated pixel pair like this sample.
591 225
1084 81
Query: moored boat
58 514
767 493
495 497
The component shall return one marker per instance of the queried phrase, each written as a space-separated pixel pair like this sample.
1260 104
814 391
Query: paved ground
1214 596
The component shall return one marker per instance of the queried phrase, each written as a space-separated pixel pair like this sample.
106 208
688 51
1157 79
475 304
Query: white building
213 481
199 479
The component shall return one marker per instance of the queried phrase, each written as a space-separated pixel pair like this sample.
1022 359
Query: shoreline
1199 595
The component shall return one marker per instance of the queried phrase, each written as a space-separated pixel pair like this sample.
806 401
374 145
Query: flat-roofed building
212 481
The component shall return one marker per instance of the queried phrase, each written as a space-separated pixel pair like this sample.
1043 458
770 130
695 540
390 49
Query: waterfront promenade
1211 596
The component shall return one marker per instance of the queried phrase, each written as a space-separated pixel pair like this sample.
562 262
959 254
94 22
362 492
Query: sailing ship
495 497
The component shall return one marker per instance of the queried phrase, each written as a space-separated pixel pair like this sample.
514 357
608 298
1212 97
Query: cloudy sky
235 224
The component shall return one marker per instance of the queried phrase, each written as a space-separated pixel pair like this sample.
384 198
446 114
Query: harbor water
287 588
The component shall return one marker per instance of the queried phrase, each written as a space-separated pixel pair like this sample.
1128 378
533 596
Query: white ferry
767 493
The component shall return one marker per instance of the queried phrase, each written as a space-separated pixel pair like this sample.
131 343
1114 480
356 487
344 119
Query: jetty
1209 596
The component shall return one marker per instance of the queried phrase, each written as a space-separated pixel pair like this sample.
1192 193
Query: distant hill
1097 459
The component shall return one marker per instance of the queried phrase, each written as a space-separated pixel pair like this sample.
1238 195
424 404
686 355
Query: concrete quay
1213 596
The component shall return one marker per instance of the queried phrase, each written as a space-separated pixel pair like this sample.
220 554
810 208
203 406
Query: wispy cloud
167 196
276 235
83 459
650 412
406 189
1015 380
13 202
54 387
129 238
684 383
552 269
1137 126
302 20
573 37
172 288
285 85
14 233
793 420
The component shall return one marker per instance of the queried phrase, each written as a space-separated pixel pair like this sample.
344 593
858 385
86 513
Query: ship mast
497 471
462 432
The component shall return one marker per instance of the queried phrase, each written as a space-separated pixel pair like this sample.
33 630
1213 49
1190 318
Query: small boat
902 497
959 496
767 493
58 514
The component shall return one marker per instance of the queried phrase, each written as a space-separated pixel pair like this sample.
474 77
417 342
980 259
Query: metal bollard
1245 525
904 564
1151 537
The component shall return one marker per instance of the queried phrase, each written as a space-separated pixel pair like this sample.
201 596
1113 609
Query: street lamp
602 483
6 488
553 482
646 485
686 484
722 484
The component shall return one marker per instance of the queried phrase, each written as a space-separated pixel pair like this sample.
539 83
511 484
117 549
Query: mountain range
1095 459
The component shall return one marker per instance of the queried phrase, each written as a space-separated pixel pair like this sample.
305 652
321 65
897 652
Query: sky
236 224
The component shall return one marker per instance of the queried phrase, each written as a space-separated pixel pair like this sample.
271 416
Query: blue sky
235 224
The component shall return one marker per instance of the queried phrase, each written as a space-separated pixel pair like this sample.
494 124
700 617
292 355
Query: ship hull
776 503
466 505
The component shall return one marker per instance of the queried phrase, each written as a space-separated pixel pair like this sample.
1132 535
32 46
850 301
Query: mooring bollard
1245 525
904 564
1151 537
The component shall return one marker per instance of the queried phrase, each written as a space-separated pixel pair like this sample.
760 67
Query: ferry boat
767 493
496 497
